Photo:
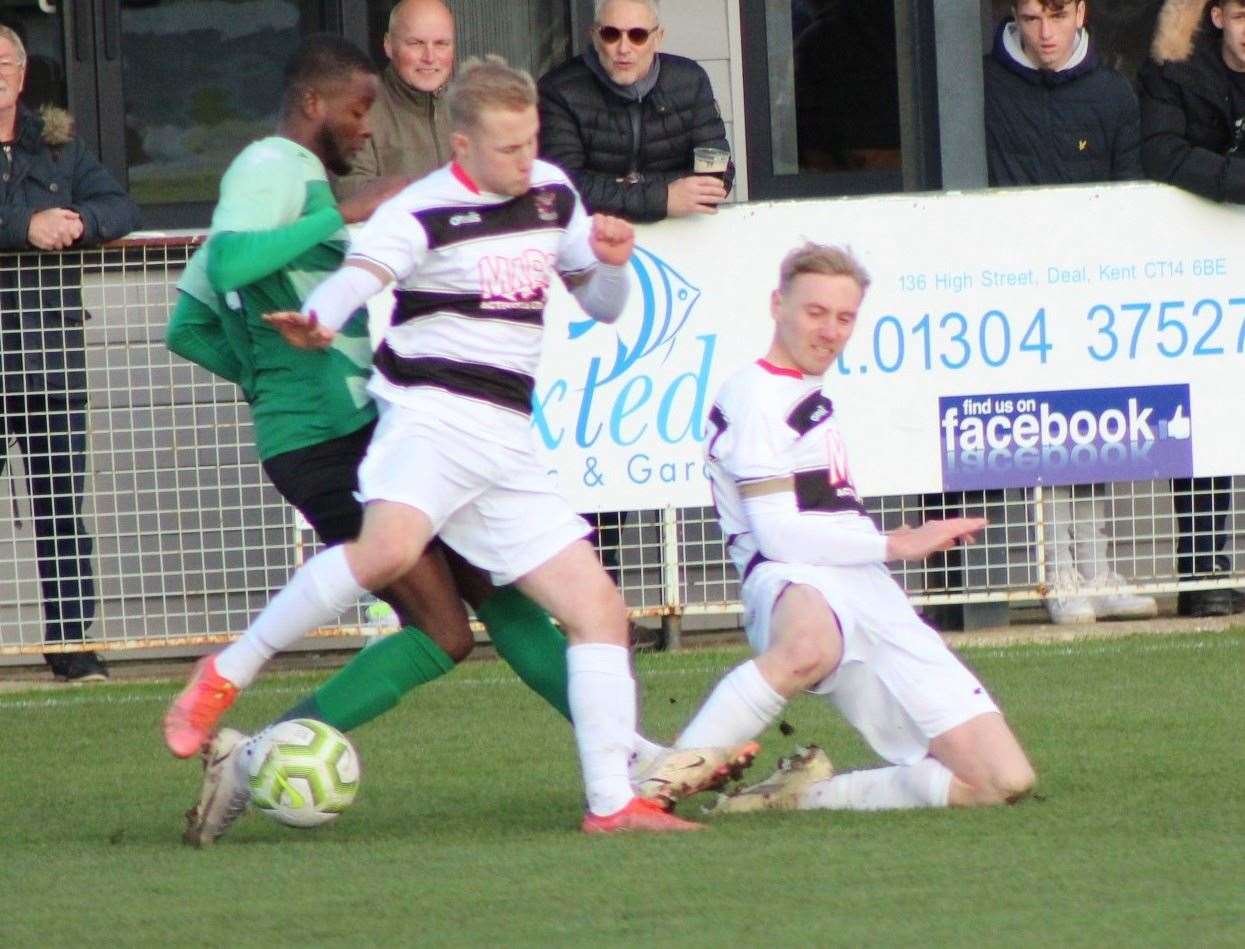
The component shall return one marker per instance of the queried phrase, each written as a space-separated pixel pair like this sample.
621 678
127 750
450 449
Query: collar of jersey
779 370
464 179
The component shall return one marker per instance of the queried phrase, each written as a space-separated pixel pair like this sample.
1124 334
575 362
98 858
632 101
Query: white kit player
822 611
473 248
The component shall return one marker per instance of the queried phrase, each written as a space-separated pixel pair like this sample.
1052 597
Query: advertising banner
1009 338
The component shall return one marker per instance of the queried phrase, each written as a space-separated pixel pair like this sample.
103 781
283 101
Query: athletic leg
805 646
574 587
986 760
393 537
521 632
321 481
377 677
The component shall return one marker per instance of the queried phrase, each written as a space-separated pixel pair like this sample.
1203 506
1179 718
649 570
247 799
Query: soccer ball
302 772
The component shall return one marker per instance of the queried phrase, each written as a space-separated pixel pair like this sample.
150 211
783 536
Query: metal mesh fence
134 512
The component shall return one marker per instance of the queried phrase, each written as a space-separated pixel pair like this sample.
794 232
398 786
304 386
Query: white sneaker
1067 605
784 789
682 772
1117 604
224 794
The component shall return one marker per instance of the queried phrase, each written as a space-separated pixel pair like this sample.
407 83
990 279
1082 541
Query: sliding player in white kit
473 248
822 611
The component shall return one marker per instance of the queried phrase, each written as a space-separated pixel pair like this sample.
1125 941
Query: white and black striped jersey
779 474
473 271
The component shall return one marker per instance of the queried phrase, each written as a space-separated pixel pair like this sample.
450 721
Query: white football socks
644 753
924 784
601 692
741 707
321 590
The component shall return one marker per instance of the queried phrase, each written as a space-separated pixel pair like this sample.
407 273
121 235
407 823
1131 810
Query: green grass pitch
465 829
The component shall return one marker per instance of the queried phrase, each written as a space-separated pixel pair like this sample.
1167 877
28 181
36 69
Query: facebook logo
1075 436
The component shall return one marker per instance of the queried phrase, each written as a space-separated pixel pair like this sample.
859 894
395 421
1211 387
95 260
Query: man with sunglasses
623 118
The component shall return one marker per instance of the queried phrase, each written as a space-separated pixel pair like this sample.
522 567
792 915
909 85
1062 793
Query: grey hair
10 34
654 7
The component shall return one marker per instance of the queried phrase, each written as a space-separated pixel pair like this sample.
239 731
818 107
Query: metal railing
186 539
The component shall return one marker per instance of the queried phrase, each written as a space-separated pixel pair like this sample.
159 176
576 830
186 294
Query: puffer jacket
1188 133
1077 125
40 293
622 154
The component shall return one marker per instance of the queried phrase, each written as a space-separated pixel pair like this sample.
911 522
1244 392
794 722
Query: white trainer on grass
224 793
784 789
681 772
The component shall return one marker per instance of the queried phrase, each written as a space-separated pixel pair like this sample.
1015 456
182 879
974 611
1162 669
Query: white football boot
224 794
784 789
681 772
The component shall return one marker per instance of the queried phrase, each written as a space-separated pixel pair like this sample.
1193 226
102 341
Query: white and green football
302 772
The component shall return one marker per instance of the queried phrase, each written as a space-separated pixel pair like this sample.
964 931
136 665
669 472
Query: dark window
200 79
821 77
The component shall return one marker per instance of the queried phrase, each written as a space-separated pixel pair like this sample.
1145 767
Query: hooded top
1075 125
1191 132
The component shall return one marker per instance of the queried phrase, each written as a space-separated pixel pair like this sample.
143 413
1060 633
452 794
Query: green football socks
374 680
524 635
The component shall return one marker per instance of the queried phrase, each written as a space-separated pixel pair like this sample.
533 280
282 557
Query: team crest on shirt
546 205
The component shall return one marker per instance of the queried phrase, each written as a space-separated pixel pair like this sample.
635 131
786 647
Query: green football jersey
298 397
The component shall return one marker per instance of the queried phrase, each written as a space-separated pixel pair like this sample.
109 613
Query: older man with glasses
626 122
624 119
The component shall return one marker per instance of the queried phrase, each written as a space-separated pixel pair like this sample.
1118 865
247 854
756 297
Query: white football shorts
494 503
898 684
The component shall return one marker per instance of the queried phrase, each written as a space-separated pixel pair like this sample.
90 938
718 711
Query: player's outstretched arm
915 543
335 300
299 330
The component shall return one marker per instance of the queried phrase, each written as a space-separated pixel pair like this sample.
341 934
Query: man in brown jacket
410 126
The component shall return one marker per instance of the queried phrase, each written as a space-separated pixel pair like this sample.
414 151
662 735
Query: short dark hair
322 59
1052 5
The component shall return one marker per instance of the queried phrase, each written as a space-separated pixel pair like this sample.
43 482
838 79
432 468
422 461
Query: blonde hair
488 83
10 34
825 259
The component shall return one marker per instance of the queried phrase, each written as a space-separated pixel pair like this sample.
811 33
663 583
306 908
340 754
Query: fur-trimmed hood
1177 29
58 125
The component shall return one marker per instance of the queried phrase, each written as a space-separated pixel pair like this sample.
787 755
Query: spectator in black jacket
1193 124
1056 114
54 195
623 118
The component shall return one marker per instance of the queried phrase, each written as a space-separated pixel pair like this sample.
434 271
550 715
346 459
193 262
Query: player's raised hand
304 332
612 239
913 543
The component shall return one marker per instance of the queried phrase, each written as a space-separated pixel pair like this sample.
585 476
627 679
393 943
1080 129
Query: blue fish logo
668 302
